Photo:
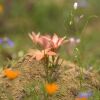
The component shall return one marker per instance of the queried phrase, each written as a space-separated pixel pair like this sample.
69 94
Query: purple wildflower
82 3
10 43
1 40
85 94
6 42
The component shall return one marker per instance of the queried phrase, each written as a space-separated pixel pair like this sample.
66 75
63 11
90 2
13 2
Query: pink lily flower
53 42
34 37
39 39
39 55
56 41
47 41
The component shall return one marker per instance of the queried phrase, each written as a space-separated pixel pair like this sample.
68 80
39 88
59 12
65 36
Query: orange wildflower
83 98
10 74
1 8
51 88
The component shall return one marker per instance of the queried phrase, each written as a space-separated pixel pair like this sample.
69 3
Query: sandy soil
31 70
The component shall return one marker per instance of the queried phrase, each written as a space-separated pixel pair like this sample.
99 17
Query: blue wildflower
6 42
1 40
10 42
85 94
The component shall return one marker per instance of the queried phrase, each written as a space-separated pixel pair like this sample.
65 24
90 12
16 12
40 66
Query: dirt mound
32 71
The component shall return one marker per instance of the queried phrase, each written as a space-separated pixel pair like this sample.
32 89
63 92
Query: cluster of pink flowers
50 44
47 41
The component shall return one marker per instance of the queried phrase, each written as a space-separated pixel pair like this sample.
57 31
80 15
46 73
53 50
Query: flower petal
45 42
50 53
10 74
34 37
51 88
39 57
55 39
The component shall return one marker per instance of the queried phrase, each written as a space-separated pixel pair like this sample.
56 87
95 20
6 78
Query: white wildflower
75 5
70 23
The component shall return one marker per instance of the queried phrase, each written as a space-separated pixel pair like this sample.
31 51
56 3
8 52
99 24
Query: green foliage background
48 16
